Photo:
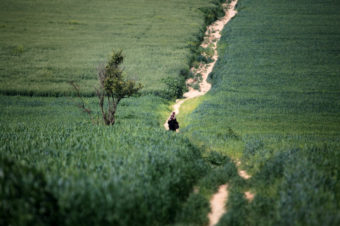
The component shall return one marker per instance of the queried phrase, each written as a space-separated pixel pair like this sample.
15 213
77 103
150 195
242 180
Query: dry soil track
212 36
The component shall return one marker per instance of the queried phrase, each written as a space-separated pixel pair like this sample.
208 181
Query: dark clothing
173 124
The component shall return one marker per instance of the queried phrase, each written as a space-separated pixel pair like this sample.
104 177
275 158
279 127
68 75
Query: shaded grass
197 207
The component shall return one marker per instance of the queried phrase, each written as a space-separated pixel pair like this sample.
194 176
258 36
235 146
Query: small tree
113 87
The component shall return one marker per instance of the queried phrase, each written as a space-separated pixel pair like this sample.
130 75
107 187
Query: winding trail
220 198
217 203
212 36
242 173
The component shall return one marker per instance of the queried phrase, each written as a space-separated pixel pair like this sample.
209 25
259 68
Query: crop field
134 173
46 44
275 106
57 167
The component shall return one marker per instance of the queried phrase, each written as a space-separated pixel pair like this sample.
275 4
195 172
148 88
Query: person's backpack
173 124
176 125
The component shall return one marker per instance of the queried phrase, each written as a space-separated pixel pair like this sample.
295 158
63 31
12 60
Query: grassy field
46 44
275 105
57 166
134 173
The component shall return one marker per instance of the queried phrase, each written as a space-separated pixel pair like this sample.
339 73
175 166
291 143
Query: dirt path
219 199
242 173
212 36
217 203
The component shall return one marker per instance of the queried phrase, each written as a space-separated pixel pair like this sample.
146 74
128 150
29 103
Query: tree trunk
112 103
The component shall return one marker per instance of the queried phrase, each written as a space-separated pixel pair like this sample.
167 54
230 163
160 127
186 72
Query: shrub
175 87
113 87
24 196
194 211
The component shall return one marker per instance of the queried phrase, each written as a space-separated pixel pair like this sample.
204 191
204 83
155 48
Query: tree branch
82 104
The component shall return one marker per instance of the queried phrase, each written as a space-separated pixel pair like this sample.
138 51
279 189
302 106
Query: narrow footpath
212 36
242 173
217 204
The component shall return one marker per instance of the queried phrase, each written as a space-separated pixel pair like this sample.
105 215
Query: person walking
172 122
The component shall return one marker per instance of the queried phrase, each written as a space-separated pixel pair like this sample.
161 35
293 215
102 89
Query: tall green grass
59 167
275 105
46 44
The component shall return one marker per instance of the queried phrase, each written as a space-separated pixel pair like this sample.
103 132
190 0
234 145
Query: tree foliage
175 87
113 87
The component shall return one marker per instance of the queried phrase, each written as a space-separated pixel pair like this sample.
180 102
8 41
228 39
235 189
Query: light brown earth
242 173
217 203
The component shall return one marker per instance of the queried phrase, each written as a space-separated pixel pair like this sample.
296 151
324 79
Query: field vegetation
46 44
134 173
60 167
274 105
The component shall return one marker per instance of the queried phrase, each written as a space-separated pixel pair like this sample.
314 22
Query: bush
194 211
24 197
211 14
216 158
237 211
175 87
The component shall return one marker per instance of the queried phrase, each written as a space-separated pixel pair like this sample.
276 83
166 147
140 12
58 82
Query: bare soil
242 173
217 203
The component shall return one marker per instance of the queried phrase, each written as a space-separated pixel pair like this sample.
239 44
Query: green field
133 172
46 44
58 166
275 105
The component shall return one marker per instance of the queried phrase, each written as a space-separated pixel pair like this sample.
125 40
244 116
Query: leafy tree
113 87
